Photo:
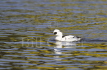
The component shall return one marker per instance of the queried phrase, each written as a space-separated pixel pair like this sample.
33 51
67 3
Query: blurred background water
26 29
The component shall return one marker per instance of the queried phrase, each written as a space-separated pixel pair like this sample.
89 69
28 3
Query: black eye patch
55 33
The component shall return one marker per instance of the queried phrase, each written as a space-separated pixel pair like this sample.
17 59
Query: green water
26 30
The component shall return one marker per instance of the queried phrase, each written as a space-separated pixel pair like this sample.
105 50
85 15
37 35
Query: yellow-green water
26 30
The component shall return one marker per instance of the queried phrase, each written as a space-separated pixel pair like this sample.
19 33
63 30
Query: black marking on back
64 36
77 37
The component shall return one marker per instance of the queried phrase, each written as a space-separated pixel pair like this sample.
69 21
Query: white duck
60 37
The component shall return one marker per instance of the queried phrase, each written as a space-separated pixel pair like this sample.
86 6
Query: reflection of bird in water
60 37
65 44
58 48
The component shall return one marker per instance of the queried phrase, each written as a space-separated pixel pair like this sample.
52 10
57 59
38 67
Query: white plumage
60 37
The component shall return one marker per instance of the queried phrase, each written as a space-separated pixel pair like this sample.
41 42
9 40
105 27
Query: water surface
26 31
